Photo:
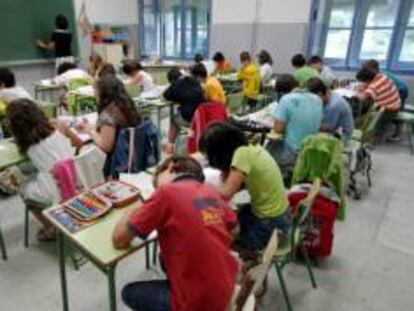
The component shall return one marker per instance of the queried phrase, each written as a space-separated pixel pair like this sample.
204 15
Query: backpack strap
131 148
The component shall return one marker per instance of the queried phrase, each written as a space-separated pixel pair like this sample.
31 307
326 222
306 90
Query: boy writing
249 74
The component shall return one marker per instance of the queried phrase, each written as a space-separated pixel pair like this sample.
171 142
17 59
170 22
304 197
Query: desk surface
9 154
96 240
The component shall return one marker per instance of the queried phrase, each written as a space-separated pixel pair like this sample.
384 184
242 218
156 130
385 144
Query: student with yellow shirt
213 89
250 166
249 74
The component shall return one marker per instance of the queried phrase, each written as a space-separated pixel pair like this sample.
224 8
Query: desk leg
3 246
62 264
110 272
36 93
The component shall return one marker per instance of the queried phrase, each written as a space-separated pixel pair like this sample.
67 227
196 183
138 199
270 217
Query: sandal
46 235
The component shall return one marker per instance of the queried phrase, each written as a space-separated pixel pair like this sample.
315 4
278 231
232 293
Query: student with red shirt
193 224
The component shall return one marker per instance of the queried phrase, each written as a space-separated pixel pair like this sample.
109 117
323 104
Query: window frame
182 28
358 27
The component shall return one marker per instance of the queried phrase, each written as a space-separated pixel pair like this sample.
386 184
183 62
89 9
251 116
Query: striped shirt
384 92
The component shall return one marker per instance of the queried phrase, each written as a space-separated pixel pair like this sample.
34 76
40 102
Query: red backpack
319 239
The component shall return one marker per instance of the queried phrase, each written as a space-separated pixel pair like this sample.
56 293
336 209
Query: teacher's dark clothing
63 42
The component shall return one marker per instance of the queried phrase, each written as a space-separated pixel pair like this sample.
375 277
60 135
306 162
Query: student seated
95 64
242 164
8 89
116 111
249 74
303 72
402 87
337 113
106 69
188 94
138 76
327 74
222 65
213 90
36 137
193 224
199 59
266 66
67 72
298 115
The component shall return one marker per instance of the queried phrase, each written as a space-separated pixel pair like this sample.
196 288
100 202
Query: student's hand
84 127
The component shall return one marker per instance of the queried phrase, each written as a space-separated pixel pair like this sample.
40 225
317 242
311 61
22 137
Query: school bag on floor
319 236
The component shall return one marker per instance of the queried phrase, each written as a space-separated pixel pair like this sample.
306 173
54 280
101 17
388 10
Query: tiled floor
372 267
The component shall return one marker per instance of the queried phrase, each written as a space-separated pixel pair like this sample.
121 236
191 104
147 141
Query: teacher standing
60 42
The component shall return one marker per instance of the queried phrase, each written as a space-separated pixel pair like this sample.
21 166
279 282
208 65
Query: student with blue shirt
298 115
337 114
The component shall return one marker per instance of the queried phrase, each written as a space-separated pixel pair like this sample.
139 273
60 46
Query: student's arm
232 184
46 45
140 221
104 139
280 115
279 127
122 236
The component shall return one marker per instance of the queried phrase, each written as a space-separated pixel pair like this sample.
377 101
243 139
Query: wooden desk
95 243
9 154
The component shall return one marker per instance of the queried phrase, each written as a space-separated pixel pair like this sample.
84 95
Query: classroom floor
372 267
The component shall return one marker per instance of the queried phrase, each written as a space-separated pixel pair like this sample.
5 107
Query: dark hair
106 69
316 86
315 59
245 56
7 77
61 22
218 57
265 58
365 75
285 83
219 142
182 165
298 61
373 65
198 58
199 71
111 91
131 66
27 123
65 67
174 74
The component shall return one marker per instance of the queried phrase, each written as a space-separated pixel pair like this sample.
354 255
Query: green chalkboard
24 21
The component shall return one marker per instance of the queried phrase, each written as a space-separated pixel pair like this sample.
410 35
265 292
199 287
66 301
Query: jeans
147 296
255 232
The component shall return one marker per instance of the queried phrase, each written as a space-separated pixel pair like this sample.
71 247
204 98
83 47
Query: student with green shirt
243 164
303 73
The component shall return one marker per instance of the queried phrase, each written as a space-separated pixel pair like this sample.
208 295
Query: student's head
298 61
365 75
61 22
218 57
173 75
199 72
27 123
318 87
264 57
7 78
285 83
198 58
219 142
176 166
373 65
316 62
245 58
64 67
106 69
131 67
111 91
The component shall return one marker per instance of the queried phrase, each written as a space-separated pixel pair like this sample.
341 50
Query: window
174 28
347 32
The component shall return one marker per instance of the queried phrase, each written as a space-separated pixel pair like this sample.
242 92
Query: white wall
285 11
233 11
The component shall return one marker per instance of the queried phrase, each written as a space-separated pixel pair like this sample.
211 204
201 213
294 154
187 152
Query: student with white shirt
266 66
327 74
138 76
68 72
8 89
